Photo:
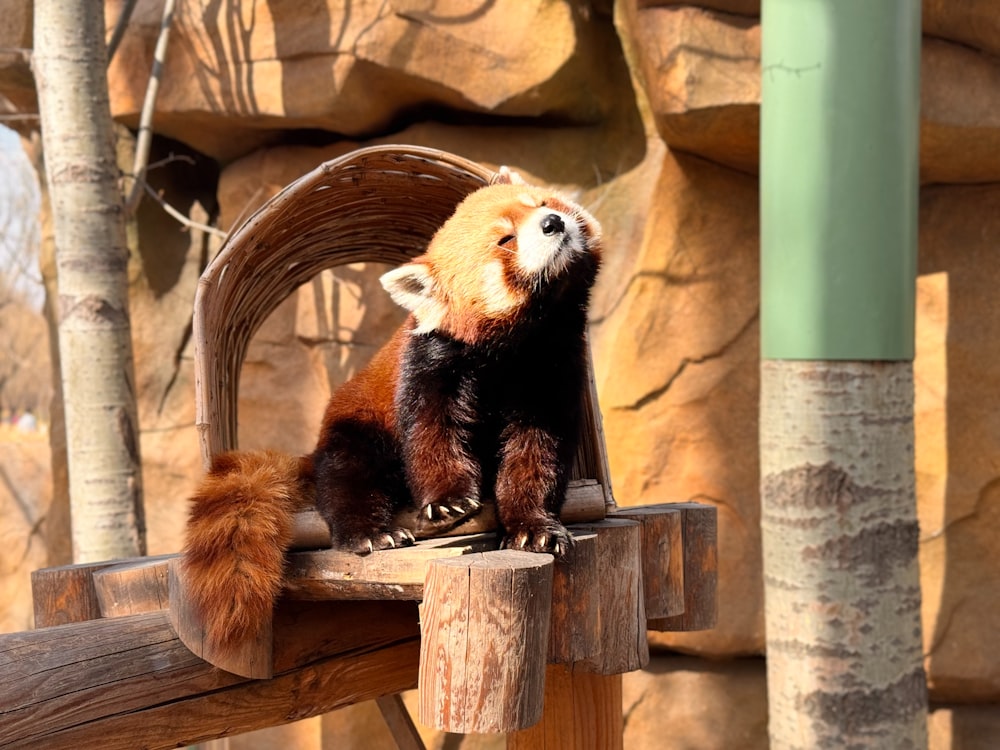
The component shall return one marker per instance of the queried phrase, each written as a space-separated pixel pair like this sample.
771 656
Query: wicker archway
376 204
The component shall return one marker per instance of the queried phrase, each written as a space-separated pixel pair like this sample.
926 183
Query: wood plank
484 640
583 711
387 574
128 682
700 545
585 501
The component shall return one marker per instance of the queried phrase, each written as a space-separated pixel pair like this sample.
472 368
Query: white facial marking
543 246
496 294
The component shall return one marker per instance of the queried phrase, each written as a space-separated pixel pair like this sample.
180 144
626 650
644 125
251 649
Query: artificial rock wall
648 111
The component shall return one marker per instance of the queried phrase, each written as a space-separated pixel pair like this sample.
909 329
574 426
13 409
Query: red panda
475 399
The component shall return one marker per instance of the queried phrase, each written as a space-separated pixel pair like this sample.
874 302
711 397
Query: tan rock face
235 72
963 727
958 439
702 75
678 379
973 23
678 703
701 72
17 85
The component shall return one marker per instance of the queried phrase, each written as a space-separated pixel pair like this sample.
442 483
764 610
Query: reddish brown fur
370 393
241 521
246 503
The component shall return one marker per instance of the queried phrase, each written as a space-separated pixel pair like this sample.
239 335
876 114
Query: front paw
438 517
365 544
543 535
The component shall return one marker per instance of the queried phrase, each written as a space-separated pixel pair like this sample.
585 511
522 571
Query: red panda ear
412 286
507 176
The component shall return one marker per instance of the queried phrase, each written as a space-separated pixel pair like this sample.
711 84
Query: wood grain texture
583 711
386 574
485 627
574 634
662 557
701 570
129 682
622 612
397 718
133 587
65 594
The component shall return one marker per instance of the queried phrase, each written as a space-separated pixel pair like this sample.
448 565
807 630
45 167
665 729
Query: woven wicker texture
378 204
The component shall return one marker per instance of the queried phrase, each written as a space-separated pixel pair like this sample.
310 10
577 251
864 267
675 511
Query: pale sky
18 219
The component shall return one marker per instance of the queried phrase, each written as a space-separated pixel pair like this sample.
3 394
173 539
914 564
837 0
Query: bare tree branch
120 26
145 135
189 223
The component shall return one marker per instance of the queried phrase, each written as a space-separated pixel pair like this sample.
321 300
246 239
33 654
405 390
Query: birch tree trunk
91 259
844 659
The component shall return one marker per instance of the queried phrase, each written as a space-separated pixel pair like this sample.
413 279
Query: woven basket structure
377 204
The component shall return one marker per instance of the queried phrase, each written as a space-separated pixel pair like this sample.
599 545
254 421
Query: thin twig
120 26
145 137
189 223
169 159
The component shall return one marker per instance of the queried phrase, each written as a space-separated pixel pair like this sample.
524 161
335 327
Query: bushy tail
238 531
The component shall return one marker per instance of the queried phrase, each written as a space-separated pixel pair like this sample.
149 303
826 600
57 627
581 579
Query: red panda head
506 246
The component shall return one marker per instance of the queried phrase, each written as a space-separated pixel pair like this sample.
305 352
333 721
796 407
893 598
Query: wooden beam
401 726
129 682
575 632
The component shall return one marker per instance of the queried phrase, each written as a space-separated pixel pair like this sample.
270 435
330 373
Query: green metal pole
839 531
839 178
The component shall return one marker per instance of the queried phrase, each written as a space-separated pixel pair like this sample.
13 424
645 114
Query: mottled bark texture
842 593
91 260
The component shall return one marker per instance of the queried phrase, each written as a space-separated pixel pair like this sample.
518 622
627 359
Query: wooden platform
105 666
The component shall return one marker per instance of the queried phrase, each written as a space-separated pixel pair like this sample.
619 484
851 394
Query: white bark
842 589
91 258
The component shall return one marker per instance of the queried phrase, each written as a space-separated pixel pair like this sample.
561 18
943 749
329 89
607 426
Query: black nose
552 224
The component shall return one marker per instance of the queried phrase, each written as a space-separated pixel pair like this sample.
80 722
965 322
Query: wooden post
623 645
700 560
574 634
484 640
583 711
662 557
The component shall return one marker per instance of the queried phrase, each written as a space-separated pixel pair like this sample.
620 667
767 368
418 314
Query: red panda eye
505 239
